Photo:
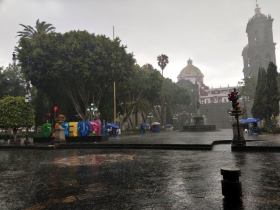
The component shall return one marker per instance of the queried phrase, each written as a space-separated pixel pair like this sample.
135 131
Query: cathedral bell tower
260 49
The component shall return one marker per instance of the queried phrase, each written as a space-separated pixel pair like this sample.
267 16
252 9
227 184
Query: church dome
190 69
258 13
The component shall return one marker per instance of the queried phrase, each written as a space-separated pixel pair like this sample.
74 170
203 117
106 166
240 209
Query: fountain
199 123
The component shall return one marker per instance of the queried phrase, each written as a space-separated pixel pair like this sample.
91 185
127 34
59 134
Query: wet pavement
140 179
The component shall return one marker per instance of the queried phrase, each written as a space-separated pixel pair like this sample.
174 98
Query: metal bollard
231 186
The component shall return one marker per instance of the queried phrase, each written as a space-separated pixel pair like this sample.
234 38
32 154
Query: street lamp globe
92 109
150 116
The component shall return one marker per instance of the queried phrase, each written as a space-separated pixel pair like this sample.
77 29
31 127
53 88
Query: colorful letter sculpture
46 130
83 128
65 125
73 128
95 126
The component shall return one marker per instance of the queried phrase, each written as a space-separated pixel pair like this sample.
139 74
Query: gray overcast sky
210 32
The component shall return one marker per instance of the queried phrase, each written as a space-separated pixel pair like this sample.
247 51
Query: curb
140 146
255 148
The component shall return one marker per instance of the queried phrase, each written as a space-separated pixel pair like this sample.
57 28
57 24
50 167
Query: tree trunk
15 133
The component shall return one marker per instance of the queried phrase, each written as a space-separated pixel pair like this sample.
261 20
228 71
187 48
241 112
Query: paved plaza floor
140 178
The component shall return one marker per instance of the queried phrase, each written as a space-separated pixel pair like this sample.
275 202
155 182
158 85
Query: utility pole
115 108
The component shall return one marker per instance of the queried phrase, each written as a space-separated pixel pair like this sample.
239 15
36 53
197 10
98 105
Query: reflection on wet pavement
135 179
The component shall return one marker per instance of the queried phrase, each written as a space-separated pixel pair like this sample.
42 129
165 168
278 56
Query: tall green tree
278 82
30 33
15 113
40 28
79 66
137 93
3 83
171 96
248 87
162 61
271 96
258 109
14 84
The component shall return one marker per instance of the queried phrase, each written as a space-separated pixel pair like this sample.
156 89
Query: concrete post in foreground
231 186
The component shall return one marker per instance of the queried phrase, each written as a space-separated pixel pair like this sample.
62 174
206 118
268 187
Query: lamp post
174 118
27 99
190 118
231 119
158 113
92 109
236 111
150 116
28 87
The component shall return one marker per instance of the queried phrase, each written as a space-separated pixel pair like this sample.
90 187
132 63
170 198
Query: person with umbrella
142 130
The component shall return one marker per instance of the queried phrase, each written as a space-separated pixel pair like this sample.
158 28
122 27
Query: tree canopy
139 92
259 104
75 69
14 81
13 113
248 88
266 101
271 96
80 66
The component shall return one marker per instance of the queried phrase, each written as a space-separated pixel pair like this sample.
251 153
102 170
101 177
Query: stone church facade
214 102
260 49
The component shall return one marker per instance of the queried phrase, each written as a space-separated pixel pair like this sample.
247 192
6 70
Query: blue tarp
250 120
112 125
144 125
156 128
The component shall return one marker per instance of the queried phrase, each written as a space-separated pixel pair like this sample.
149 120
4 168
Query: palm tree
40 28
162 61
142 106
